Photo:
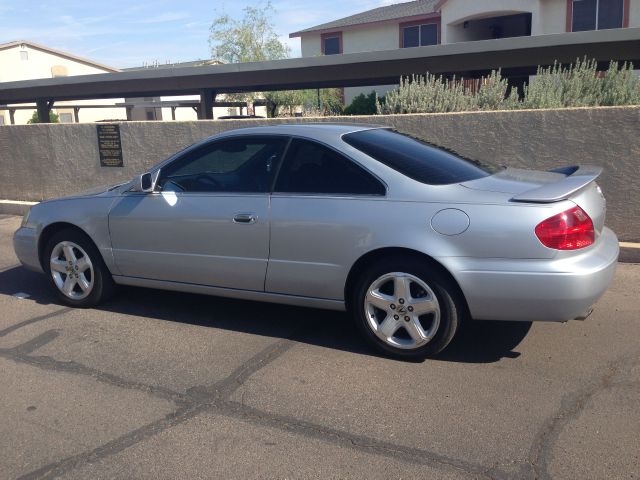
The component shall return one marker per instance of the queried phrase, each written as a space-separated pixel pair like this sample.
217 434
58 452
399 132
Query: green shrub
427 94
363 104
495 94
53 118
577 85
621 85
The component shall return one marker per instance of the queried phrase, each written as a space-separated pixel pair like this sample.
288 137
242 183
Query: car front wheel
76 269
406 308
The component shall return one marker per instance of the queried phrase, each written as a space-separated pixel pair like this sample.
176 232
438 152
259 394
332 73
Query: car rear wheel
406 308
76 270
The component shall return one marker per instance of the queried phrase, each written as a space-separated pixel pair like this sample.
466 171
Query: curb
629 254
15 207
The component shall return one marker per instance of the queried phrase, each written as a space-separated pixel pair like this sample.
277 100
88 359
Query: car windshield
417 159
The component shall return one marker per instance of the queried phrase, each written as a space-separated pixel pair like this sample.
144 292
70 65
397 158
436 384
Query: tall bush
621 85
363 105
427 94
556 86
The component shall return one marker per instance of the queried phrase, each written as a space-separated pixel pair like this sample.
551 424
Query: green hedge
577 85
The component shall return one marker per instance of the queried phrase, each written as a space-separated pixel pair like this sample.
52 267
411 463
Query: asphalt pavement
162 385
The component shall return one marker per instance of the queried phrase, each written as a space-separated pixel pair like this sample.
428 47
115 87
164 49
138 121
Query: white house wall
310 45
634 13
374 38
553 17
39 65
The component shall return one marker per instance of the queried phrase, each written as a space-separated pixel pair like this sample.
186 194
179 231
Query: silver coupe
410 238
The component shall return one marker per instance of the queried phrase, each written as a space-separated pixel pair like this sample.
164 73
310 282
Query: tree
363 105
330 101
326 101
281 99
53 118
253 39
249 39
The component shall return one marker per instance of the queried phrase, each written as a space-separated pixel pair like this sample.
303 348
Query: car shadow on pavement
476 342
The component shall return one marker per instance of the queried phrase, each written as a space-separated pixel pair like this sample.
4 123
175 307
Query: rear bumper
558 290
25 244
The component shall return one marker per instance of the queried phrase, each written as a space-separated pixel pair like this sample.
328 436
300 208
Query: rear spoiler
577 177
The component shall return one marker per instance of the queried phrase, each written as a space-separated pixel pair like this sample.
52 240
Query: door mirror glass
146 182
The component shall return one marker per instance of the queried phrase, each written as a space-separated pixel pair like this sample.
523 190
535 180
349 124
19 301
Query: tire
83 280
380 296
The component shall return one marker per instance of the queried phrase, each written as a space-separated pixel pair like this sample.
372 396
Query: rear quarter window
416 159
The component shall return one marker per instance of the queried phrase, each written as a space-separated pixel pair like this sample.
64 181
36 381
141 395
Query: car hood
514 181
103 190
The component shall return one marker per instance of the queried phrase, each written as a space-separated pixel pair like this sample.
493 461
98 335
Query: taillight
569 230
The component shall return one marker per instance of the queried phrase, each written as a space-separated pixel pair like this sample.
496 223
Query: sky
128 33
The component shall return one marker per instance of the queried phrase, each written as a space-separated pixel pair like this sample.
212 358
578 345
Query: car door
207 222
322 209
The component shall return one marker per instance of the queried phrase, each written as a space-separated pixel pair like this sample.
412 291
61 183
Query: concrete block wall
38 162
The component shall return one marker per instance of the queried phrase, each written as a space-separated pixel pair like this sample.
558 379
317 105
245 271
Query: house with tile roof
422 23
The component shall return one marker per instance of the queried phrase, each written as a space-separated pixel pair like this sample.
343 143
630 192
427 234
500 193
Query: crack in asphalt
571 406
356 442
57 469
197 400
22 354
215 398
33 320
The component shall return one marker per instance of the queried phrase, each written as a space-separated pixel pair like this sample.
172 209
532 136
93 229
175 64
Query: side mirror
147 182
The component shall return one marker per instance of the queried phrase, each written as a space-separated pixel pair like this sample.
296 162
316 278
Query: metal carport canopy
514 55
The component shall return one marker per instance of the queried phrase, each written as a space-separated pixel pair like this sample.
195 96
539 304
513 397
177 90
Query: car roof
304 129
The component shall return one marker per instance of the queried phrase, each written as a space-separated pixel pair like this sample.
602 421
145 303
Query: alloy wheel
72 270
402 310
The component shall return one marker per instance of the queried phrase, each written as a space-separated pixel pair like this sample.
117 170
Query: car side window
310 167
241 164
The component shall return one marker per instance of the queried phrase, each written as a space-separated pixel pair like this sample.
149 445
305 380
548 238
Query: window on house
2 120
420 35
65 118
331 45
24 55
151 115
597 14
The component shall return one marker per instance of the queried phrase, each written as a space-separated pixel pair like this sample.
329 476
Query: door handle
244 218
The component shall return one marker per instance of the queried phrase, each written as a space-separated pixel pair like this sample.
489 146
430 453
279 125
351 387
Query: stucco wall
634 13
310 45
553 17
45 161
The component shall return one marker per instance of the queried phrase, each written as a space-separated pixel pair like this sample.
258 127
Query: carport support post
44 109
207 99
76 114
12 116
